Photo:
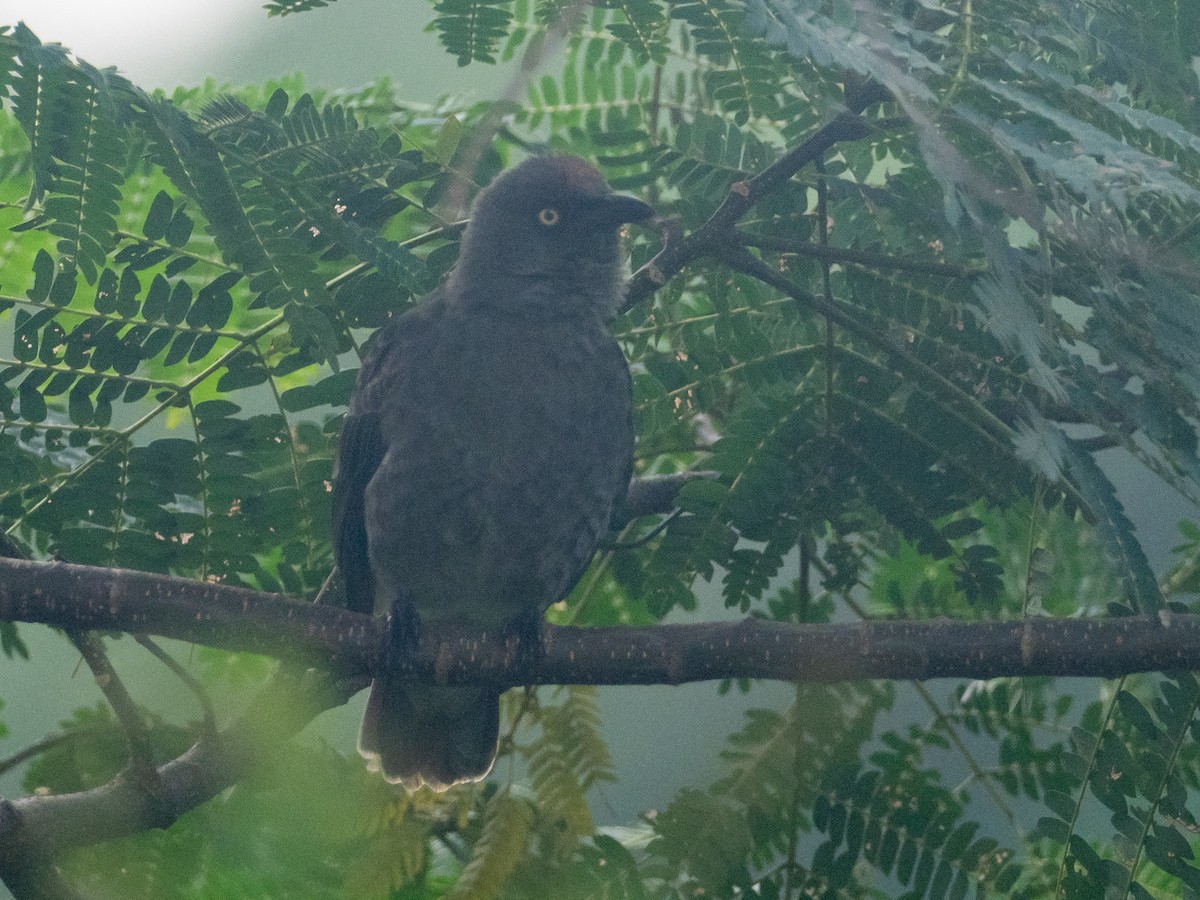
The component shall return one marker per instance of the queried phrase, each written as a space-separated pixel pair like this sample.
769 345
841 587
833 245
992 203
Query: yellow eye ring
548 216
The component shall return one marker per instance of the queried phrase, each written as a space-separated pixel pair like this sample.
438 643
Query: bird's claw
403 636
526 630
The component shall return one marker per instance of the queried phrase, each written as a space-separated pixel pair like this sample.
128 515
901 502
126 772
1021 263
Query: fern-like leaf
746 82
86 192
507 828
472 29
642 27
569 758
1115 530
250 234
37 94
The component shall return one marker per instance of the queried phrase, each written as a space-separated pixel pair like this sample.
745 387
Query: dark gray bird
487 439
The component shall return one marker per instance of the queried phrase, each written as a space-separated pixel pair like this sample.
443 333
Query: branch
34 830
651 494
45 744
878 261
718 232
32 877
75 597
72 596
110 684
208 712
41 827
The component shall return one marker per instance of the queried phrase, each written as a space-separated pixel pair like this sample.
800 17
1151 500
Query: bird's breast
504 458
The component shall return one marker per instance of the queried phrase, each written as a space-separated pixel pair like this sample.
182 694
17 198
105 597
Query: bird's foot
527 631
403 636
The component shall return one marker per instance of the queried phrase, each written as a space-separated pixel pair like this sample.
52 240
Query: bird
487 439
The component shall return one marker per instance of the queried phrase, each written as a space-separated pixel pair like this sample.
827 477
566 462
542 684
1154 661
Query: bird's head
550 220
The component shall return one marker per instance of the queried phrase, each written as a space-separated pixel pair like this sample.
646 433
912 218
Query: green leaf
1115 529
1060 804
179 303
159 216
1138 715
311 330
179 231
106 292
472 29
127 302
154 307
1052 828
33 407
331 391
43 272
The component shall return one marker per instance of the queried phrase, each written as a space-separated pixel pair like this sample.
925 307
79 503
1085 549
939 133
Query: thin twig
718 232
110 684
141 754
862 258
44 745
210 716
644 539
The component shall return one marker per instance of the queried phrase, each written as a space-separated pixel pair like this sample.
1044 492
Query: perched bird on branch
488 437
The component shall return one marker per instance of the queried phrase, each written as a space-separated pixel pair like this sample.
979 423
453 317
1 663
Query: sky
153 42
168 43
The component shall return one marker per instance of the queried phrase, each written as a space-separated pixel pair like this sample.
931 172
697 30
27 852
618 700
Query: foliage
991 298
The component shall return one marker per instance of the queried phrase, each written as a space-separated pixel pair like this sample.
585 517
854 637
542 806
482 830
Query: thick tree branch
41 827
31 877
36 829
70 596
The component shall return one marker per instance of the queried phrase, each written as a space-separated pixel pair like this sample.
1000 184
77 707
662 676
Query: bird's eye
548 216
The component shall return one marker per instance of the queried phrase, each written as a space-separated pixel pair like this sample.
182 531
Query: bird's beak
617 209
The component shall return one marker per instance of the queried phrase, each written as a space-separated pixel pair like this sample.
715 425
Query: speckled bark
82 597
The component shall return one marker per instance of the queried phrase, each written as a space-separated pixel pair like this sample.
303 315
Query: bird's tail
439 736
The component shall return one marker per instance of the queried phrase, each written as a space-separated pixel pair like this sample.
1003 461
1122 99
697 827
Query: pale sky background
167 43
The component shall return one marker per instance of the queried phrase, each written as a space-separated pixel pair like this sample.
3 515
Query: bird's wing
386 373
360 451
619 432
623 459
